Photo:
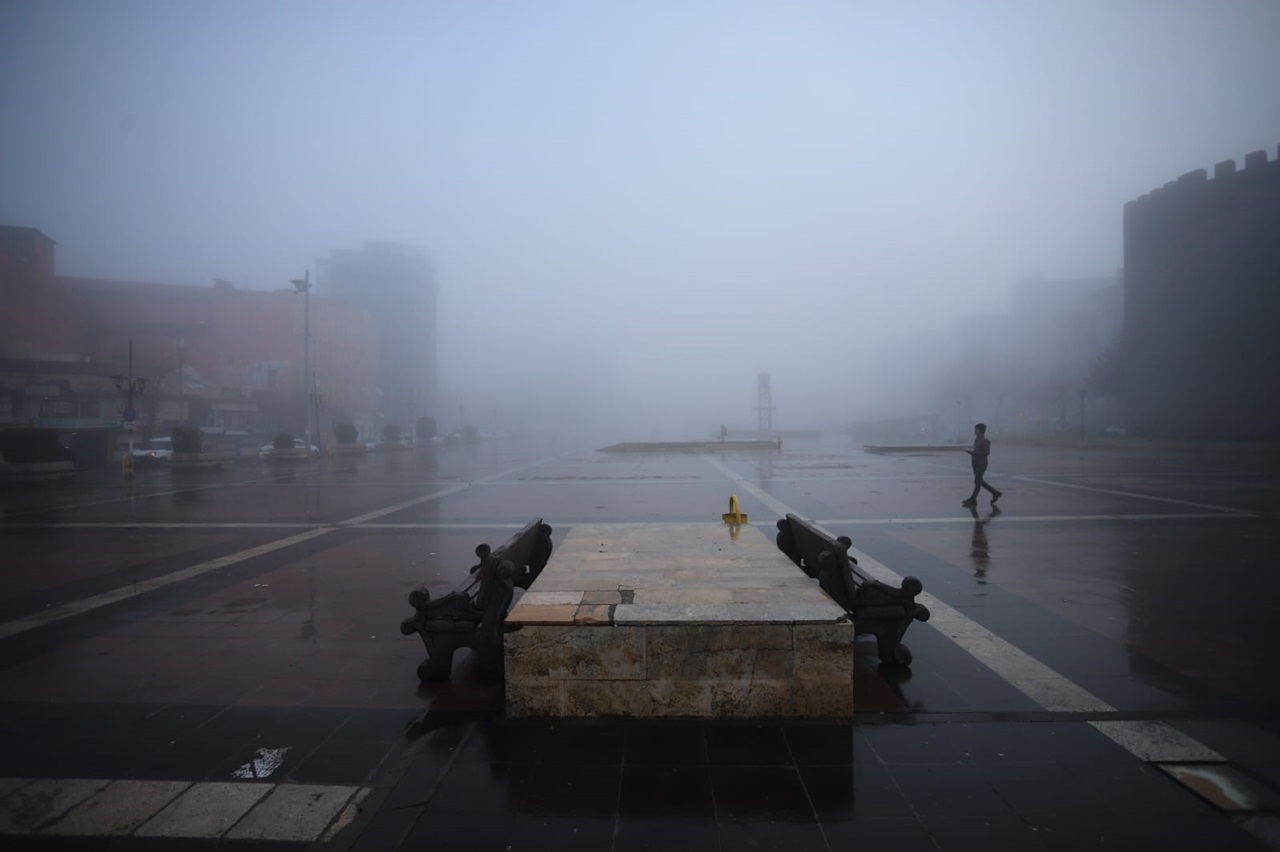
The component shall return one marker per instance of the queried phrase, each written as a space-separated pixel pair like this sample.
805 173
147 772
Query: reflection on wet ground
1093 644
979 547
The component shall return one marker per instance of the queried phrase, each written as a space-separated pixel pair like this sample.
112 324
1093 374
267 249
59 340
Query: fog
634 208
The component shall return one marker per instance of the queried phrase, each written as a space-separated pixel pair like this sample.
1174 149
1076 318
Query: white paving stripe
1040 519
94 807
292 812
1057 482
1037 681
204 810
1157 742
463 525
119 808
237 810
33 806
348 815
129 497
1172 501
365 518
58 613
212 809
183 525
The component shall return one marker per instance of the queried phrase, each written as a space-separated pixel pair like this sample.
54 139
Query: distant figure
978 455
724 432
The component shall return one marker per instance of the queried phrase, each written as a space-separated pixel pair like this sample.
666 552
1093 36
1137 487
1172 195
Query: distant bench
471 614
876 607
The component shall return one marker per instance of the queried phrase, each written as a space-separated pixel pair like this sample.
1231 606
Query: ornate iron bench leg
440 649
891 650
439 662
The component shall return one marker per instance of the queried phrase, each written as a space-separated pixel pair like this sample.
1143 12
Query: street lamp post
303 286
319 397
127 385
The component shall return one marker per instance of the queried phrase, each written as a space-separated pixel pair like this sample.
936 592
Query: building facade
225 359
1202 295
396 284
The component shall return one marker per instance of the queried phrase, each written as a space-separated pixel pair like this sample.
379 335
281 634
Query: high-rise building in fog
396 284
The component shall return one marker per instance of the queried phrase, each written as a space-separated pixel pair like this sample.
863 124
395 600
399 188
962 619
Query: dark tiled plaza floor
961 781
1142 578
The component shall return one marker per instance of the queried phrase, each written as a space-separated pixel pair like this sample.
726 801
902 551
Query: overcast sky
658 198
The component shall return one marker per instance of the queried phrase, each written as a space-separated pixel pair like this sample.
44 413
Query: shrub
391 433
282 441
27 445
187 439
345 433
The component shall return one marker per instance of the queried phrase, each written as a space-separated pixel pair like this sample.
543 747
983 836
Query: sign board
129 415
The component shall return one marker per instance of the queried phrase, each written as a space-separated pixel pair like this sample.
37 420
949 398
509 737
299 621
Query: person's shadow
979 547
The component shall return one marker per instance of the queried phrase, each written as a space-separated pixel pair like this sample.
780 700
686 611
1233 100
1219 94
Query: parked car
159 451
264 452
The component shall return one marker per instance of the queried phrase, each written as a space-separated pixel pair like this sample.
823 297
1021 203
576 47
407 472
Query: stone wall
1202 296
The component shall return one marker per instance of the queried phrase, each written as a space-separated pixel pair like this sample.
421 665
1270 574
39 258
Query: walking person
978 456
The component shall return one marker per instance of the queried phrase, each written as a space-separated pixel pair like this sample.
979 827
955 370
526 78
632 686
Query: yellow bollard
735 515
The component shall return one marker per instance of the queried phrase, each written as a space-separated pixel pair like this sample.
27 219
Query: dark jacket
981 449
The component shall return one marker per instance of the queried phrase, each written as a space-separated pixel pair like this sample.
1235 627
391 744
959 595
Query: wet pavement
202 659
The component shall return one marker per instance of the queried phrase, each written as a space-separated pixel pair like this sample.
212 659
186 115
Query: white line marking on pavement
1039 682
131 525
58 613
1005 518
348 815
119 808
498 525
1157 742
365 518
205 810
1172 501
1133 495
34 805
125 498
97 807
296 812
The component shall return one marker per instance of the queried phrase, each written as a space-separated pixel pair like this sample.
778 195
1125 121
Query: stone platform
676 620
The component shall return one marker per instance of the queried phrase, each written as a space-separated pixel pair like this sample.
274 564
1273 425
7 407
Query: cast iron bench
471 614
876 607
